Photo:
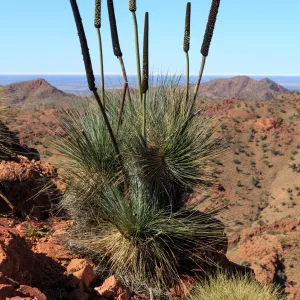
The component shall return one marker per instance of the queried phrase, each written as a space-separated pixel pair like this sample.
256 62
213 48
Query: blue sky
251 36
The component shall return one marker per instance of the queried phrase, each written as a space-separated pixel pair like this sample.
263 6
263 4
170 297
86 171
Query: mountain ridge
240 87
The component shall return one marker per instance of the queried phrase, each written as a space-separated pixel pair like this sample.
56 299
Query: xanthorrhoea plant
149 237
186 45
97 24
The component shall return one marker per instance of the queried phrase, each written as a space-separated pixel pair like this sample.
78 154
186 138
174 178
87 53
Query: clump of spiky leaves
149 237
177 155
84 141
138 241
238 287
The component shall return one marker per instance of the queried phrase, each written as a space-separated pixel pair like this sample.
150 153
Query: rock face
272 254
240 87
16 257
10 146
20 183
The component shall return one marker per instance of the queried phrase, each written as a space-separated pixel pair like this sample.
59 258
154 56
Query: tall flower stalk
97 24
206 43
186 45
91 82
145 80
118 53
132 8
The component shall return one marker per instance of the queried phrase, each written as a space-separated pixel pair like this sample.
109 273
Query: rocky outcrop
21 183
266 124
10 146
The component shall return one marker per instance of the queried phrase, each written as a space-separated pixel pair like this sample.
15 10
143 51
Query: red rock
20 298
16 257
20 182
25 290
266 124
85 276
78 294
113 288
76 264
6 290
82 274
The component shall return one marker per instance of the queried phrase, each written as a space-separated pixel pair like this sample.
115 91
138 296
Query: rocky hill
34 93
240 87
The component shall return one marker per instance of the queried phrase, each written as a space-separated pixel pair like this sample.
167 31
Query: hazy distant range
77 84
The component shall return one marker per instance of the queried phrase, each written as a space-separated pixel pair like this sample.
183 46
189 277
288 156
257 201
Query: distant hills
240 87
34 93
39 93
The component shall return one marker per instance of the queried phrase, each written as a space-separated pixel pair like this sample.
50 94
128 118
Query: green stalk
145 80
144 117
132 8
101 66
210 26
118 53
137 54
199 78
187 75
97 24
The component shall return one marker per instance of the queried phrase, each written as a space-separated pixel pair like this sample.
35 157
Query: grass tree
129 177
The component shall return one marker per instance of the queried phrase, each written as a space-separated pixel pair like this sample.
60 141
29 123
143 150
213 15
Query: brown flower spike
132 5
187 27
84 47
113 29
97 18
210 27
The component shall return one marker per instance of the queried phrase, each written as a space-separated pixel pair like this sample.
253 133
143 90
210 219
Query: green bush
131 163
224 287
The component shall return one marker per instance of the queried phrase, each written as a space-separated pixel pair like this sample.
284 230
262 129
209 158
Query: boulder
113 288
16 257
80 274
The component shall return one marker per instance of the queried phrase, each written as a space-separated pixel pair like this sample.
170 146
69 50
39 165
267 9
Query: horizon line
134 74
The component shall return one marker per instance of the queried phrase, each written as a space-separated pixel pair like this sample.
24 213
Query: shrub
222 287
130 169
